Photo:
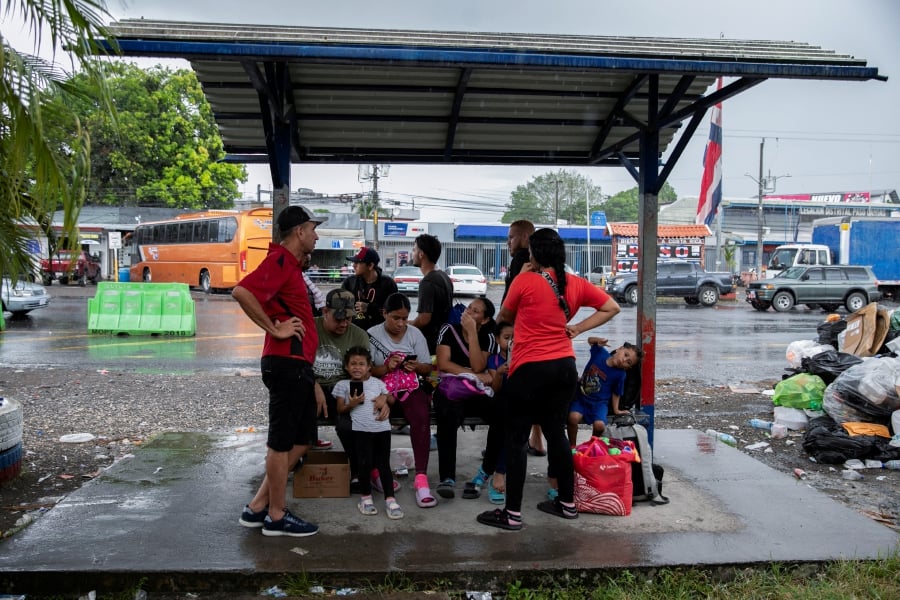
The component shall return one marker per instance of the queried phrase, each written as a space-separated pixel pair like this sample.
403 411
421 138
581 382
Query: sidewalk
169 515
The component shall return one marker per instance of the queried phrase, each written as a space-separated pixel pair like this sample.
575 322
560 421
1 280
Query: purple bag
457 388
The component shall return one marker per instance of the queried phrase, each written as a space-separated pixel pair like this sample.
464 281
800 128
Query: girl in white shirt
369 403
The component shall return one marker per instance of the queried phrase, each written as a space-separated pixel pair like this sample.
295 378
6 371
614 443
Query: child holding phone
368 401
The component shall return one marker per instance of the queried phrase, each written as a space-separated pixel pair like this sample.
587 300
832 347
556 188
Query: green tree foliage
38 176
163 149
536 201
624 206
563 194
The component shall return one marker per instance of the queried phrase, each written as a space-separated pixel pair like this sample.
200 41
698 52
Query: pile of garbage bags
859 398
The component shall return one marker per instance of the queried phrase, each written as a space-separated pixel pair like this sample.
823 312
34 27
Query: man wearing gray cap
369 286
274 296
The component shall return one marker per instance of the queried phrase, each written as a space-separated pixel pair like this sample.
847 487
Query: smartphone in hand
356 388
410 358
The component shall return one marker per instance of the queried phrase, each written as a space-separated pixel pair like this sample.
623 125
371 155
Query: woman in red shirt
542 373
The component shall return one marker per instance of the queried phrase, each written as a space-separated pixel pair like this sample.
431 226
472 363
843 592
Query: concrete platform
169 516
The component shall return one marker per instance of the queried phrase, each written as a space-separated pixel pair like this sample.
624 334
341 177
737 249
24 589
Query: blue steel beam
410 56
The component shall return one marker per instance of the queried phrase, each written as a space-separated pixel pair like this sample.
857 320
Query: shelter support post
648 221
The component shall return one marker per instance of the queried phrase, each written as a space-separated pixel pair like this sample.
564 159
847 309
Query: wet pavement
168 515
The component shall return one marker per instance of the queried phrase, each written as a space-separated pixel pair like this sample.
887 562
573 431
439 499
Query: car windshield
466 271
407 271
792 273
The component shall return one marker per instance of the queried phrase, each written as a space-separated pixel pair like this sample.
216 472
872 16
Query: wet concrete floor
169 515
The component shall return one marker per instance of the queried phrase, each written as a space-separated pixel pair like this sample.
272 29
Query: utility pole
373 174
556 205
766 184
587 209
759 215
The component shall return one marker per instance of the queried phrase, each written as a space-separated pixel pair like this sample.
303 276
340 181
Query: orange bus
211 250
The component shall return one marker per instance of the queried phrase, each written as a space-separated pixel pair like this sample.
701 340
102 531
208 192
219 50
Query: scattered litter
274 592
880 517
740 388
24 520
317 589
346 592
103 371
90 475
768 450
140 595
800 474
756 446
76 438
768 392
789 443
158 469
873 464
881 477
91 595
733 427
45 478
851 474
66 476
250 429
478 596
299 550
855 463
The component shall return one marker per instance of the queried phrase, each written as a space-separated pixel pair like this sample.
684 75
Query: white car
407 279
468 280
21 297
599 275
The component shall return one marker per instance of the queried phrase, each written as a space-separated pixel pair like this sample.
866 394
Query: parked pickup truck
675 278
65 266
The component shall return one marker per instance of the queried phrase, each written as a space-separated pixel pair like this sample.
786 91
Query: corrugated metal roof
399 96
631 230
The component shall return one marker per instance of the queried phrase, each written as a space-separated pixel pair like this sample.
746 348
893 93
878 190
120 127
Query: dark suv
815 286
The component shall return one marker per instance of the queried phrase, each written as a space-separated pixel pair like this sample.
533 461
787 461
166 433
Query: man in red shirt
275 297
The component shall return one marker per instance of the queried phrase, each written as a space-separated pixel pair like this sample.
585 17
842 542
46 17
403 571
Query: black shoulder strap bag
562 301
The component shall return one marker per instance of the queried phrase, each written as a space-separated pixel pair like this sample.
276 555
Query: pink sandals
424 499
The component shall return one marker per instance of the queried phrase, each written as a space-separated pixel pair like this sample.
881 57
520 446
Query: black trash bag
827 442
828 332
829 364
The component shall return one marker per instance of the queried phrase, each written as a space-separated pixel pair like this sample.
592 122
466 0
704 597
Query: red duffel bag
603 479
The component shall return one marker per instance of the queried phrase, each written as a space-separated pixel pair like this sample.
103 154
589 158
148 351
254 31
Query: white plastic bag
800 349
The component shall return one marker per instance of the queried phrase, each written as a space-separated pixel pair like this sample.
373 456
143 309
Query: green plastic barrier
142 309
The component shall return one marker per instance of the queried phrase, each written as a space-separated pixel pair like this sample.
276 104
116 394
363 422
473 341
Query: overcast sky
829 136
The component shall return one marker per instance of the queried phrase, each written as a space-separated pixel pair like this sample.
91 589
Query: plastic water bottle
760 424
893 465
725 438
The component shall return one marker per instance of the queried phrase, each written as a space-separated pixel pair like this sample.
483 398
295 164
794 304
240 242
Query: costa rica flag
711 184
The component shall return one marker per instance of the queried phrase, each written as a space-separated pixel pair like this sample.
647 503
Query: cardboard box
860 333
323 475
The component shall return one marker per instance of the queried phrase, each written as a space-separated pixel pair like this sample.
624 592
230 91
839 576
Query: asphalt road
729 343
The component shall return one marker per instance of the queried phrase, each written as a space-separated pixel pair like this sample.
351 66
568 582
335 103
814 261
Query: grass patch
878 579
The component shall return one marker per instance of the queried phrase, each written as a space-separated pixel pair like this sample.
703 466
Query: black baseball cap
296 215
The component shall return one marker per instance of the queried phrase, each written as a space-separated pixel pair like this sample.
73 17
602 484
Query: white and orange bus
211 250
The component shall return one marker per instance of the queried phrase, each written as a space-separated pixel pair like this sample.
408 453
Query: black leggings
539 392
374 450
449 417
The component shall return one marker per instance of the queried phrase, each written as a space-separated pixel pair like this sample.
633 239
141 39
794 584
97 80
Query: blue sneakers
289 525
253 519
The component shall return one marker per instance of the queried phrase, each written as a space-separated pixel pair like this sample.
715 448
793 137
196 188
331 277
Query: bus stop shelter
284 95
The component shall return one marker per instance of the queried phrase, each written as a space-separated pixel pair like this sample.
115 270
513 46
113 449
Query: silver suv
816 286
